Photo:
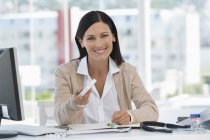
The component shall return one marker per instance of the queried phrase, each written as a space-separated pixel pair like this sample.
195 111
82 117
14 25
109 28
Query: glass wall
179 44
43 33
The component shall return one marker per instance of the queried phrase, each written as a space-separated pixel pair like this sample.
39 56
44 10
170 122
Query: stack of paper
95 128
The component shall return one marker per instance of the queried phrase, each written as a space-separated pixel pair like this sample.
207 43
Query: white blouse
100 109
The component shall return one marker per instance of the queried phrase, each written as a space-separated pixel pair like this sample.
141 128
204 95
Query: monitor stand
5 134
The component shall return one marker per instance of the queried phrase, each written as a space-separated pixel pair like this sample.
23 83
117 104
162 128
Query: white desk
132 135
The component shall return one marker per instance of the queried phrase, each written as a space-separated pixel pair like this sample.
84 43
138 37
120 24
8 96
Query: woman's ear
81 43
113 39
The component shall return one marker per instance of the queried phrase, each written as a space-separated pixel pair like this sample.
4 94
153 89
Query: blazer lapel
79 77
120 91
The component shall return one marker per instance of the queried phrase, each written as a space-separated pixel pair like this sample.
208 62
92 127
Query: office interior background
167 40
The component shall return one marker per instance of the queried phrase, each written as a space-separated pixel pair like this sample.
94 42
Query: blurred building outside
179 59
165 58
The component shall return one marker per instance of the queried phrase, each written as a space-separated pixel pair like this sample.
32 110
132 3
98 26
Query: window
179 38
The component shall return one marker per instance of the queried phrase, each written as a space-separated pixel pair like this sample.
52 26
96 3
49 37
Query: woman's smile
100 51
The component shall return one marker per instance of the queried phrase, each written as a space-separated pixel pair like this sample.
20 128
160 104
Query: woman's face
98 41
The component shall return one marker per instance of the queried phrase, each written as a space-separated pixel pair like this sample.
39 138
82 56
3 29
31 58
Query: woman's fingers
121 117
83 100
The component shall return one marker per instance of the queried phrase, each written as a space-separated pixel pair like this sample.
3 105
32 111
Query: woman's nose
98 42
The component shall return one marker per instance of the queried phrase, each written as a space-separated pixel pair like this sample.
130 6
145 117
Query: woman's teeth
100 51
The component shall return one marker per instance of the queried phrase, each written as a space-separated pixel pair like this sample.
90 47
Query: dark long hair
89 19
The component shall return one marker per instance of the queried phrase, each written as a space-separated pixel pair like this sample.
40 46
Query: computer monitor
11 105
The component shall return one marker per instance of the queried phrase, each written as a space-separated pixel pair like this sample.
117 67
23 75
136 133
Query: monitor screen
11 106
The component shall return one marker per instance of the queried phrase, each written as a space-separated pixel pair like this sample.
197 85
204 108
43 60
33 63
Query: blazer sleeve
65 110
146 109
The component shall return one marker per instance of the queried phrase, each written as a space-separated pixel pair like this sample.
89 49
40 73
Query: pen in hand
83 100
121 118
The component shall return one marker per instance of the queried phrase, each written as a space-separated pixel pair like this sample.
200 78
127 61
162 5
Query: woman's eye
105 35
90 38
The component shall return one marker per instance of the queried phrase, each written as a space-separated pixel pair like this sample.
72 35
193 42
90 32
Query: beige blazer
128 85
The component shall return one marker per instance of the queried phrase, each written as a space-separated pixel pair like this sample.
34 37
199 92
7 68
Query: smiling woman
118 82
98 40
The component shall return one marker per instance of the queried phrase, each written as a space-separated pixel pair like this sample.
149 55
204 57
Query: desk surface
132 135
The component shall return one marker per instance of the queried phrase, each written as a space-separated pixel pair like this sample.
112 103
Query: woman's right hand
83 100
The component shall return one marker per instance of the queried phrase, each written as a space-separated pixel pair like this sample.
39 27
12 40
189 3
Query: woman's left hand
121 117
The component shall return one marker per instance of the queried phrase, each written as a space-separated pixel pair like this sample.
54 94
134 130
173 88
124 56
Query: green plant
44 95
172 95
206 79
28 95
193 89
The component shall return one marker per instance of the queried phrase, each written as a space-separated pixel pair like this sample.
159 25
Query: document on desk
135 125
81 127
95 128
100 126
